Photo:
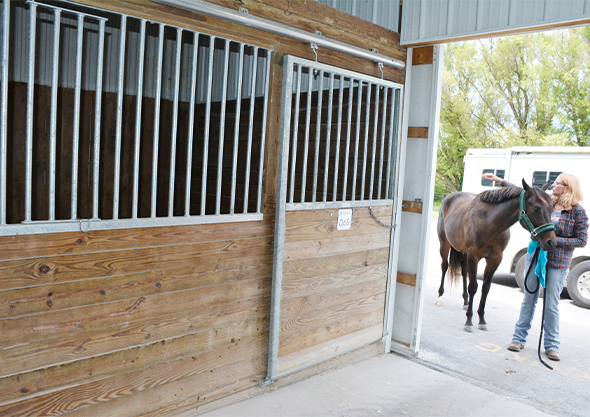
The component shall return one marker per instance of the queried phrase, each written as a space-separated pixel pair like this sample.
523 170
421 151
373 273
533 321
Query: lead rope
535 257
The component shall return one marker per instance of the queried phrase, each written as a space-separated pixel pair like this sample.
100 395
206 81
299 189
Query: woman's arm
580 235
493 177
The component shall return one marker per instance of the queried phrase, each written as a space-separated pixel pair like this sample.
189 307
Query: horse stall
194 209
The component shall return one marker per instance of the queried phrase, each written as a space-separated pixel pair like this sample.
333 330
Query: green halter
526 222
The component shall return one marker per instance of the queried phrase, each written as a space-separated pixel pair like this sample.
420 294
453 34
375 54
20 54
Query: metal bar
53 117
250 129
356 141
367 123
328 132
97 118
283 30
141 59
277 277
306 143
207 126
349 127
393 109
222 129
30 110
4 104
263 135
382 147
295 132
157 108
76 131
338 137
234 169
374 149
174 124
191 127
319 205
318 126
119 128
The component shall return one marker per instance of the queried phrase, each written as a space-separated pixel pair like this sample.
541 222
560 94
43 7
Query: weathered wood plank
308 304
300 324
327 349
127 360
424 55
42 353
200 372
418 132
338 328
41 271
408 279
320 248
24 329
306 268
384 214
45 245
53 297
326 229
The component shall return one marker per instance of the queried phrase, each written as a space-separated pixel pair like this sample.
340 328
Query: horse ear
546 185
525 185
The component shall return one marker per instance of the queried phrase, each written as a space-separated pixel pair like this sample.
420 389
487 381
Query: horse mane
497 196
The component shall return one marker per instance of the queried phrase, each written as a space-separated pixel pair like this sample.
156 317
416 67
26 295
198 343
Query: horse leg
472 271
444 254
491 266
464 274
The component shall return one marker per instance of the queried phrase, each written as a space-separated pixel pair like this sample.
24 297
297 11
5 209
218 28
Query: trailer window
487 183
541 177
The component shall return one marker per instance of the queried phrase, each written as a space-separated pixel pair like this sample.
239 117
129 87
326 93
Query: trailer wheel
519 276
578 284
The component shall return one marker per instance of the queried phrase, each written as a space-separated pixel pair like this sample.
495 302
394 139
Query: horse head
538 207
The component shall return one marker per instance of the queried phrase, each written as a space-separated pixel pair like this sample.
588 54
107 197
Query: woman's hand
492 177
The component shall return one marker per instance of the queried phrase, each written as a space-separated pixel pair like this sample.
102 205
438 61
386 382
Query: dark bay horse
472 227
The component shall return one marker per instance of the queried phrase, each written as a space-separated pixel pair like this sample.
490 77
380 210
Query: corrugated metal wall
381 12
426 21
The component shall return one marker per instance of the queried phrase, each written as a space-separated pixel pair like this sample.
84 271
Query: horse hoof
482 327
438 302
468 329
465 307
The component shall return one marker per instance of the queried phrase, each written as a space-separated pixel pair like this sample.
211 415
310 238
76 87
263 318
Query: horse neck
505 214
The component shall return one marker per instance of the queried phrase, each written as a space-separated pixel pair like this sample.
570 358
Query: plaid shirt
571 229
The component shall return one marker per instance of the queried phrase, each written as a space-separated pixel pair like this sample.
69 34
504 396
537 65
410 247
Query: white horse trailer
535 165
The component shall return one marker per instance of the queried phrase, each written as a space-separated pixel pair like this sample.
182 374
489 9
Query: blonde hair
573 194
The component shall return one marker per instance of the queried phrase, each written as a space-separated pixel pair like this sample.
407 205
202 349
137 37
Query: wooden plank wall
132 319
334 284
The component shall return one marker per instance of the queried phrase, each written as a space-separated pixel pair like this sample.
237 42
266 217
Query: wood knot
49 303
80 241
102 292
44 269
158 284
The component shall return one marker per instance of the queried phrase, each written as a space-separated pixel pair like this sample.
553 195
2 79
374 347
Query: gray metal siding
438 20
381 12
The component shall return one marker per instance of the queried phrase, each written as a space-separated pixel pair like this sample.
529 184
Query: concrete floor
388 385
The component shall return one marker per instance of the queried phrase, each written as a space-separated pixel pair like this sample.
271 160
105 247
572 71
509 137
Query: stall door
335 206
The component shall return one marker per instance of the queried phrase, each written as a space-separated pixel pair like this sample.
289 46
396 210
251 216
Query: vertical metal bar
222 129
356 141
250 129
392 126
119 128
338 135
263 135
76 131
374 150
318 126
306 144
328 132
4 104
367 123
191 127
382 147
157 120
234 169
97 118
141 59
53 117
349 127
295 132
207 126
277 275
174 124
30 108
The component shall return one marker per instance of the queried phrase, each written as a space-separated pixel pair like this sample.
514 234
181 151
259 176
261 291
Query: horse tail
455 262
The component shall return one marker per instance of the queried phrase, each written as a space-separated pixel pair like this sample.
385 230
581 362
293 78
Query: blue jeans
555 280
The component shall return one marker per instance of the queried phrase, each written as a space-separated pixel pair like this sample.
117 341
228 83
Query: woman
571 229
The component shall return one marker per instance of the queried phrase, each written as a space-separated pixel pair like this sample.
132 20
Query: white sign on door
344 219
